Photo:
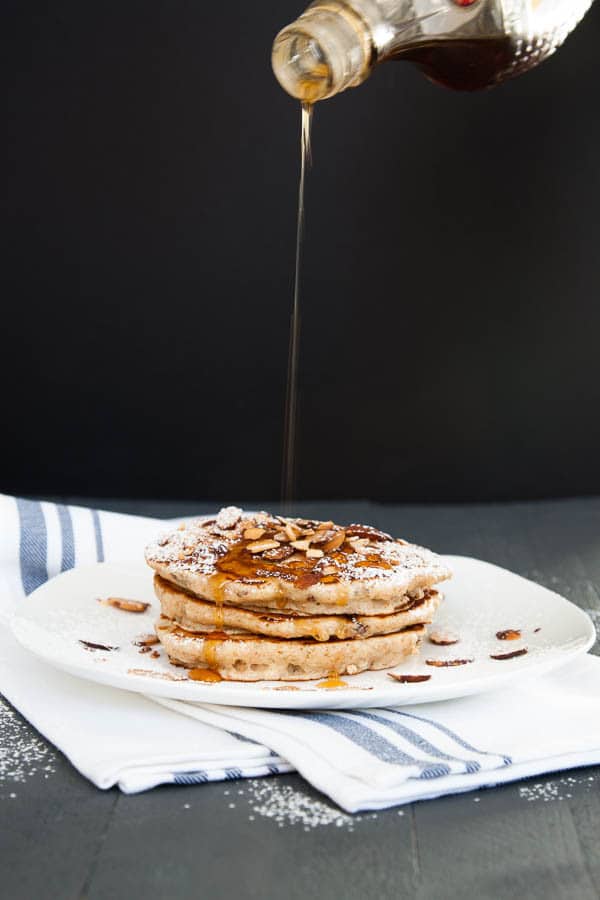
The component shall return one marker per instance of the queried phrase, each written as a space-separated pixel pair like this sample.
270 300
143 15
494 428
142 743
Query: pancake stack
251 597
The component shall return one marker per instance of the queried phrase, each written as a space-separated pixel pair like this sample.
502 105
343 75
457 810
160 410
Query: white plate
480 600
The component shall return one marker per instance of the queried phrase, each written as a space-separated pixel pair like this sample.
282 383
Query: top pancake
266 562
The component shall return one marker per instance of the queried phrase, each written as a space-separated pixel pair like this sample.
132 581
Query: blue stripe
199 777
98 535
33 545
233 773
240 737
366 738
434 772
417 740
274 770
68 542
451 734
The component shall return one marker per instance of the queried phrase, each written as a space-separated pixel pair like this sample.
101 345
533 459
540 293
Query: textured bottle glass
335 44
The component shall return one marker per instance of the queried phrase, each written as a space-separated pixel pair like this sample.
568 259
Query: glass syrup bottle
463 44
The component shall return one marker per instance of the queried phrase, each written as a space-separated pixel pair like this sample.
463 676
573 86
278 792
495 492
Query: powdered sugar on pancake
270 562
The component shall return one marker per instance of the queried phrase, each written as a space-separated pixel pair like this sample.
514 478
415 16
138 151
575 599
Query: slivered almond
261 546
300 545
134 606
253 534
292 532
313 553
335 542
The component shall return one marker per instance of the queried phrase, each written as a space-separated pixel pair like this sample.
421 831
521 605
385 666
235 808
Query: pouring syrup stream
288 471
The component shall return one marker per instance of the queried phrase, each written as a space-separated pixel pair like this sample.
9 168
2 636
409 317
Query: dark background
450 313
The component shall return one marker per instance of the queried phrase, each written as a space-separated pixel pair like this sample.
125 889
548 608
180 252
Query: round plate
480 600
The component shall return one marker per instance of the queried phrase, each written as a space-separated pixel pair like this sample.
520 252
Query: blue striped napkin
362 759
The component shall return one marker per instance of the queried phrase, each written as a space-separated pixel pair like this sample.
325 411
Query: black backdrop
450 313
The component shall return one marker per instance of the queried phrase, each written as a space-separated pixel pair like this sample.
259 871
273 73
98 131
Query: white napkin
110 736
362 759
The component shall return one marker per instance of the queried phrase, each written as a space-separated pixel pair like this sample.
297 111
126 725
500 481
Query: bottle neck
327 49
335 44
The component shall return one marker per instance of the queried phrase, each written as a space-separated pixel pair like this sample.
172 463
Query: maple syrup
288 473
332 682
240 565
207 675
467 65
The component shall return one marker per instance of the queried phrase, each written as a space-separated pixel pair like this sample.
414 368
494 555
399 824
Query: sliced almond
335 542
443 638
181 527
228 517
168 676
261 546
253 534
300 545
367 531
325 526
329 570
134 606
361 547
292 532
279 553
321 537
145 640
281 536
307 532
313 553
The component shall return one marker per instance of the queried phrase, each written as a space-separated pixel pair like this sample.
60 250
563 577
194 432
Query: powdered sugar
23 753
560 789
287 806
341 559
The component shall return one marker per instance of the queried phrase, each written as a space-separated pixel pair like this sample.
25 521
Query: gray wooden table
62 838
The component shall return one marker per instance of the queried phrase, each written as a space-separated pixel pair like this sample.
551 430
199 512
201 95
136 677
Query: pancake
274 564
240 656
195 614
